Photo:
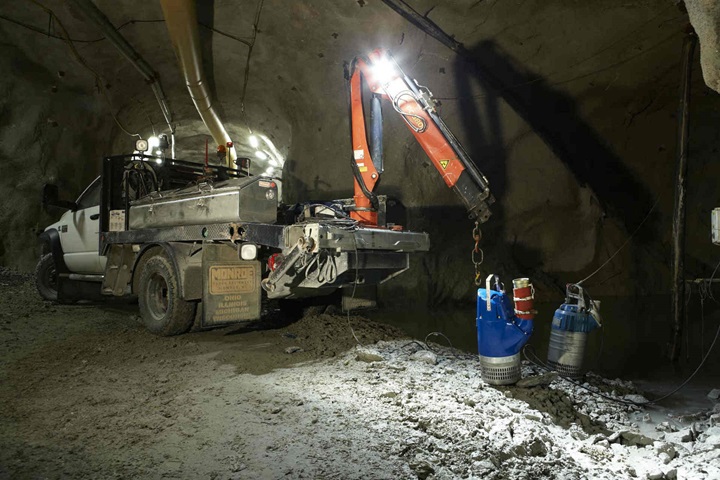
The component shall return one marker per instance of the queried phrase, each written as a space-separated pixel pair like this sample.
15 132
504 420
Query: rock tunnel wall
49 133
569 108
579 148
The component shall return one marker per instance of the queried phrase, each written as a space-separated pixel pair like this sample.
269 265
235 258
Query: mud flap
118 271
231 287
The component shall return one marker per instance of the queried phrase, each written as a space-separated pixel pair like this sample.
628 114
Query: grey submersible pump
572 322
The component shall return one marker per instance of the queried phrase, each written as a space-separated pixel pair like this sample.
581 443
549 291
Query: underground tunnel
393 239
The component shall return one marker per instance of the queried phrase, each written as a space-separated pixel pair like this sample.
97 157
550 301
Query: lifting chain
477 255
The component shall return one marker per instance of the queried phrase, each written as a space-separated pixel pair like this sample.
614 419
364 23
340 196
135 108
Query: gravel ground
87 393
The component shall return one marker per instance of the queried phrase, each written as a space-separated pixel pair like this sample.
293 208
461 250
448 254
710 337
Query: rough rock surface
582 131
87 393
705 18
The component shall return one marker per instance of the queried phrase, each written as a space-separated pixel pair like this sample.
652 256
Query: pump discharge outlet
503 331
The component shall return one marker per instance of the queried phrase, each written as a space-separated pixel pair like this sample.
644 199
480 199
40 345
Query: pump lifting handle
417 107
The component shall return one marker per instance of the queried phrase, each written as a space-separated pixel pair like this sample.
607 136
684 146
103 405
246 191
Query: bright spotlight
269 171
261 155
273 163
384 70
153 142
254 142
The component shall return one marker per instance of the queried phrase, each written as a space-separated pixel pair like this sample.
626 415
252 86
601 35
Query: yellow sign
231 279
444 163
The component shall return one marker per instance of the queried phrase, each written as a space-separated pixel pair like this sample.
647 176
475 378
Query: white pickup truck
75 238
182 236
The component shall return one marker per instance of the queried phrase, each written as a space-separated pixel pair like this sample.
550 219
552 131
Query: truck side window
91 196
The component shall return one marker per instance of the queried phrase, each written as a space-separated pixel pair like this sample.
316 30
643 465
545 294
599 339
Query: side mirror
51 198
50 194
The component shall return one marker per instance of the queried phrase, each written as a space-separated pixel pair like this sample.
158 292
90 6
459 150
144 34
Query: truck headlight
248 251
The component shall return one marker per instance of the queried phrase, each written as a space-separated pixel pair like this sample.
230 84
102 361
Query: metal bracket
298 250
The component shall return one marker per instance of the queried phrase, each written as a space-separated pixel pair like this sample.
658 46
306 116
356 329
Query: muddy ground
87 393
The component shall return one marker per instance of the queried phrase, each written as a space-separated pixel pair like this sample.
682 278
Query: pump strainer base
500 370
564 370
566 352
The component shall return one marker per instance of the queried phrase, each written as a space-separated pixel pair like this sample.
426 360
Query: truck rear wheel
163 311
46 278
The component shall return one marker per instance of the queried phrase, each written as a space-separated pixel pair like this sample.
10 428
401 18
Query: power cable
709 283
625 36
225 34
118 28
452 348
537 362
352 297
705 292
44 32
250 45
568 80
703 295
429 27
627 240
438 334
98 79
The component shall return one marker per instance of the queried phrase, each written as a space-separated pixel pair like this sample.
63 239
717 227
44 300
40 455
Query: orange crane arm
417 108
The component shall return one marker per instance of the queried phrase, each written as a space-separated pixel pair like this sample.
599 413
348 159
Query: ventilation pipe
150 76
182 24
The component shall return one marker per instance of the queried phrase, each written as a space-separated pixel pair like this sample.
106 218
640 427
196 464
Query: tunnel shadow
553 115
483 133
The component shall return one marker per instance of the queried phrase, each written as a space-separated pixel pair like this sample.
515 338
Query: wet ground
87 393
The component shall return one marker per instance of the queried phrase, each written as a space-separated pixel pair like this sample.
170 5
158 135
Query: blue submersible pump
502 330
572 322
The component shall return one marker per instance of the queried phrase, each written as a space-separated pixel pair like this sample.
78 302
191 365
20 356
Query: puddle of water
632 346
632 343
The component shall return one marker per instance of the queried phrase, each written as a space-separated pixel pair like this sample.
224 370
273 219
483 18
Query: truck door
79 236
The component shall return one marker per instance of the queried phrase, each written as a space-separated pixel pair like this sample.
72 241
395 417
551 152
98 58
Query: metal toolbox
250 199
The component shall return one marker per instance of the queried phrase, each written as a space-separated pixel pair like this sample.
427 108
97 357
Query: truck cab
78 230
70 244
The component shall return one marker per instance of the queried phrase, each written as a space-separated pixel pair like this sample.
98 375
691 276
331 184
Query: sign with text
231 290
228 279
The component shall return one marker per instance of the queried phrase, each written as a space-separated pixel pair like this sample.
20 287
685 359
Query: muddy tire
163 311
46 278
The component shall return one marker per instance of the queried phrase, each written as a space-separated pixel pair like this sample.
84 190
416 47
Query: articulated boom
417 108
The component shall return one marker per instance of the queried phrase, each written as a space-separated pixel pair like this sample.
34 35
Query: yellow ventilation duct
182 25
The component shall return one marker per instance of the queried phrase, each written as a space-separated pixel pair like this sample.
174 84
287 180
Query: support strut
678 231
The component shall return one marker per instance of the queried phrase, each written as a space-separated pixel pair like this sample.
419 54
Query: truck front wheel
163 311
46 278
